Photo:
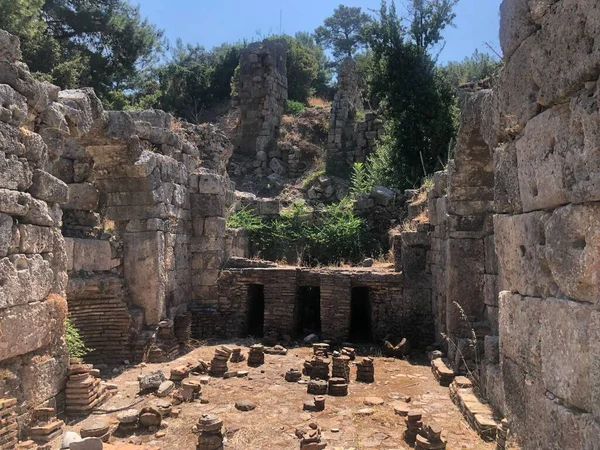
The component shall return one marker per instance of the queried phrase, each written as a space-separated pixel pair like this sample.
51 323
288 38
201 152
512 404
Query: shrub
75 345
293 107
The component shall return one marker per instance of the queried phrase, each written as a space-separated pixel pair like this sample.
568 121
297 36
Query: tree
322 84
343 31
416 98
471 69
99 43
302 70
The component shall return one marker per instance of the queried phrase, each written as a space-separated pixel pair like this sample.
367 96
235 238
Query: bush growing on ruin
75 345
417 100
293 107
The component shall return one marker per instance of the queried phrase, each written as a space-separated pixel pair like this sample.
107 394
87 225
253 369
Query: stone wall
391 311
352 132
103 214
515 249
33 261
262 92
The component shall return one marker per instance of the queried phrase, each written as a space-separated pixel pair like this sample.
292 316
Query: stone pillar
262 92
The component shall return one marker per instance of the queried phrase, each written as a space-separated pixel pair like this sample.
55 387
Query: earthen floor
272 424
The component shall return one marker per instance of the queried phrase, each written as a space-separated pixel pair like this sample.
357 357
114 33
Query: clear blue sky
212 22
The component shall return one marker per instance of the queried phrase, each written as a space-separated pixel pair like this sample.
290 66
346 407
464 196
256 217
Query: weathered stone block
521 329
570 352
267 207
490 295
91 255
48 188
515 25
521 244
24 279
507 197
29 327
82 196
492 349
573 250
6 224
145 273
15 173
36 239
14 203
214 227
43 378
207 205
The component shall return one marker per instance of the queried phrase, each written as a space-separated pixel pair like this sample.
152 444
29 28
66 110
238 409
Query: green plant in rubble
293 107
361 180
75 345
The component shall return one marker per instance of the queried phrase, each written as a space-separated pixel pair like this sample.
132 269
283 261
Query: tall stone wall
351 137
262 91
33 262
515 244
547 230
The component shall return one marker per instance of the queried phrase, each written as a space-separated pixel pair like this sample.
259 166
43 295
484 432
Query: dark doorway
360 315
308 310
256 310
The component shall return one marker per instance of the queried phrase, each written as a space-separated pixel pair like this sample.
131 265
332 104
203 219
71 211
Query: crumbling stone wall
515 239
33 262
351 137
262 92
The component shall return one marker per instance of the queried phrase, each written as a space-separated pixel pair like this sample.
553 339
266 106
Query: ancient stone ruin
118 219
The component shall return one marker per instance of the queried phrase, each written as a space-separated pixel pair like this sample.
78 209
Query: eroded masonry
119 219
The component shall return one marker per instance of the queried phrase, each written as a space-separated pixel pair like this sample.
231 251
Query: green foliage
471 69
75 345
417 100
329 236
293 107
103 44
343 31
361 180
195 79
312 176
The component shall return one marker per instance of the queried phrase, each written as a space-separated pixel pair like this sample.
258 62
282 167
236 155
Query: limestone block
520 243
517 90
40 213
507 197
464 278
10 140
36 239
92 255
36 150
568 428
10 50
26 328
82 108
573 251
382 195
582 161
207 205
63 170
570 353
206 277
69 244
490 294
540 154
492 349
491 259
82 196
145 273
15 173
521 329
515 25
13 106
24 279
138 197
214 226
6 225
48 188
43 378
145 212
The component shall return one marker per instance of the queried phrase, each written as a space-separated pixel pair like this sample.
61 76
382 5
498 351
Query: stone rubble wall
515 239
262 92
102 214
33 260
351 139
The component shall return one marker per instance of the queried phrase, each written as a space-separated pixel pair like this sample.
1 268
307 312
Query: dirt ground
271 426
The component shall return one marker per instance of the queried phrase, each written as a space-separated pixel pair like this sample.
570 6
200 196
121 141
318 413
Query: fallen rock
129 416
365 412
91 443
151 381
245 405
69 438
165 388
373 401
